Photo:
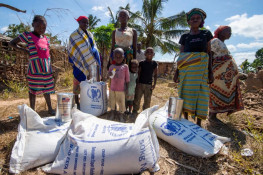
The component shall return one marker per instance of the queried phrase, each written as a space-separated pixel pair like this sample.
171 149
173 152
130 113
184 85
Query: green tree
245 66
258 62
93 21
156 31
53 39
102 37
14 30
114 19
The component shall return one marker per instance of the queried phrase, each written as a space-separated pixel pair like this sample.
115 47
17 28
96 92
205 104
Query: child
118 82
39 75
147 70
125 38
131 85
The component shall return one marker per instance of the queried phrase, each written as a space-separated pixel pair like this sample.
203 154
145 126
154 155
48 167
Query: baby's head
39 24
134 64
118 55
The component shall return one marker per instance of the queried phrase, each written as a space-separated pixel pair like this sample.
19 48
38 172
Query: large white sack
37 142
98 146
93 97
185 135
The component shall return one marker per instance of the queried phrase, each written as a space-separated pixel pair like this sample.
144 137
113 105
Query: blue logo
170 127
117 130
94 94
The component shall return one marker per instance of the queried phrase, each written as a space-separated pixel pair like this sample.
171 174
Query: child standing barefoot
131 85
145 86
39 75
118 83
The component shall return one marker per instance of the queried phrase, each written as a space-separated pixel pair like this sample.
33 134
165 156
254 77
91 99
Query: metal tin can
94 72
175 107
64 106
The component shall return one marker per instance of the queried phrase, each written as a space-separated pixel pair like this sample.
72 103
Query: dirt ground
240 127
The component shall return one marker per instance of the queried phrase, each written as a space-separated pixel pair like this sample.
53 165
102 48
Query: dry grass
244 128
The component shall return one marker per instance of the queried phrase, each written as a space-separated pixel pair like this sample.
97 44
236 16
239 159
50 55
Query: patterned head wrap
195 11
219 30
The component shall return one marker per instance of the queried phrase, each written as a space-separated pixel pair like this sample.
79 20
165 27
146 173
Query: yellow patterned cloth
82 52
193 87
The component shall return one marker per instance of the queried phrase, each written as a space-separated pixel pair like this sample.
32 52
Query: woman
83 54
194 68
225 93
125 38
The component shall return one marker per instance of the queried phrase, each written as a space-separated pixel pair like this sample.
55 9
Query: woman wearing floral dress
225 93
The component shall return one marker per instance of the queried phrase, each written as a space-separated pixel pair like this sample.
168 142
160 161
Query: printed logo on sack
117 130
94 93
170 127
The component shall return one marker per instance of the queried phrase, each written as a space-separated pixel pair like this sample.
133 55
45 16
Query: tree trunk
12 8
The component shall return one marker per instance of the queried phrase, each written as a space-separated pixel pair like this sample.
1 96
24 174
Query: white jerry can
93 97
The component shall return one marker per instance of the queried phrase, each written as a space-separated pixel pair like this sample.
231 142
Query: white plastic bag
185 135
37 142
93 97
98 146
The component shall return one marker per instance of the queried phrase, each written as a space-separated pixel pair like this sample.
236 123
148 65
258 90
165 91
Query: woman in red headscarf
83 54
225 93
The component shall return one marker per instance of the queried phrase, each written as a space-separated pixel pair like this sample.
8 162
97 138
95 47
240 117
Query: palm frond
112 19
173 33
178 20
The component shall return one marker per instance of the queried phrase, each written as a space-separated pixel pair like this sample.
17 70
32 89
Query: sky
245 17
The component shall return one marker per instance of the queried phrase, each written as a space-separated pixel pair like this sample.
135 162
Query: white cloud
208 27
98 8
247 26
231 48
254 45
115 4
4 29
107 13
242 56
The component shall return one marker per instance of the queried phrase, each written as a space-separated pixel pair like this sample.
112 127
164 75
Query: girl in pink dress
39 76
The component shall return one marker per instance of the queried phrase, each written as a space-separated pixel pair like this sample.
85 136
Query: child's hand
153 86
110 74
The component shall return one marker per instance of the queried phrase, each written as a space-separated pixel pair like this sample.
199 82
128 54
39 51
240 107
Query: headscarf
219 30
82 17
195 11
125 11
199 12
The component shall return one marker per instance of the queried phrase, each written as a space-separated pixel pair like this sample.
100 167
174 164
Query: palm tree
93 21
159 32
114 19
